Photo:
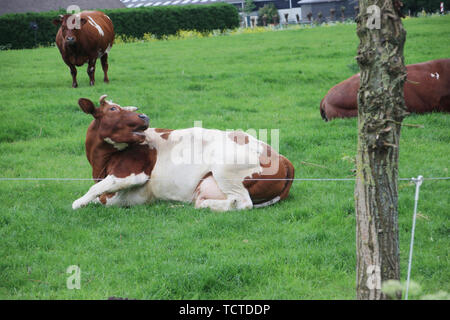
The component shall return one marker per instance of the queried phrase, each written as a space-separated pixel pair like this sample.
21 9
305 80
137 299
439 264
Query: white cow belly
175 182
189 154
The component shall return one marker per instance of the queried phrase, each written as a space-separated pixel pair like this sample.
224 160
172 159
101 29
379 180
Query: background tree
381 109
320 16
249 7
332 13
271 12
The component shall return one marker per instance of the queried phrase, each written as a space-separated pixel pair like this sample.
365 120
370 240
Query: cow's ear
87 106
58 21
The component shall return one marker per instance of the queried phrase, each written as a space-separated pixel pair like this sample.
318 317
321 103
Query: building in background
294 10
328 10
290 11
22 6
286 8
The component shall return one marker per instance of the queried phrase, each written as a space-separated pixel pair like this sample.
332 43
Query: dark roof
20 6
157 3
300 2
317 1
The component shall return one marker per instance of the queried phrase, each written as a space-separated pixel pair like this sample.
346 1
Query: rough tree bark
381 109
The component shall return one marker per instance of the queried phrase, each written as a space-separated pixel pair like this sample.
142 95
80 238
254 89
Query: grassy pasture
302 248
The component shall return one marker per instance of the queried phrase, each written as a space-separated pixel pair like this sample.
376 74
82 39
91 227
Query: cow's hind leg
104 60
91 70
224 196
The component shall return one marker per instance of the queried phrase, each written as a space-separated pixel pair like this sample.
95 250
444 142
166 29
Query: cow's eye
113 109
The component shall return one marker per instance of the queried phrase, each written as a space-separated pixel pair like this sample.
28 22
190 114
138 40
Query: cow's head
116 125
70 27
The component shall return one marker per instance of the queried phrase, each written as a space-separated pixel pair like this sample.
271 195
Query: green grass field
302 248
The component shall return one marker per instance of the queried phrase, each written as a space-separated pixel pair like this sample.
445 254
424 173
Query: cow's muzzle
140 130
70 41
145 118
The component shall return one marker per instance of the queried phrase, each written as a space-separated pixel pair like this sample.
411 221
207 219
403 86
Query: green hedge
16 33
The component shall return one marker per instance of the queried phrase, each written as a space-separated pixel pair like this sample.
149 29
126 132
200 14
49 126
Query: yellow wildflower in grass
148 37
195 34
121 38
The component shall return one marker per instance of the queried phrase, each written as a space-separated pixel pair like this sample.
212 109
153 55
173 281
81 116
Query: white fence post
418 181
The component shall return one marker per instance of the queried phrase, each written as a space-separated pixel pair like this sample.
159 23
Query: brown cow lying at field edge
83 38
220 170
427 90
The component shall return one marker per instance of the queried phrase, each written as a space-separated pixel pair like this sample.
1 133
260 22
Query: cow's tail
287 186
322 110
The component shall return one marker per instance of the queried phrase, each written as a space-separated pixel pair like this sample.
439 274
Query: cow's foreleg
91 70
73 72
110 184
104 60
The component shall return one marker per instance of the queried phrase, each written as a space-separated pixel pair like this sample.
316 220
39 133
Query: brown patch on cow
239 137
249 181
165 133
165 136
106 196
264 186
160 130
135 159
265 159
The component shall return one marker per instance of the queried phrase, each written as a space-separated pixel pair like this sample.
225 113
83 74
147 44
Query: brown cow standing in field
82 38
427 89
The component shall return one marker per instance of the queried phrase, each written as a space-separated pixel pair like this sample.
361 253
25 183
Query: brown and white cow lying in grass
220 170
82 38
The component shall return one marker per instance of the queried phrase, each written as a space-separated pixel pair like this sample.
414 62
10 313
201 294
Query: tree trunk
381 109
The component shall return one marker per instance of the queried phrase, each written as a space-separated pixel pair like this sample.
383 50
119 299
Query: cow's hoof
106 81
74 85
77 204
91 83
215 205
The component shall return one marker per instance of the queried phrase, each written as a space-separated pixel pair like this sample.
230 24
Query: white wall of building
292 12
